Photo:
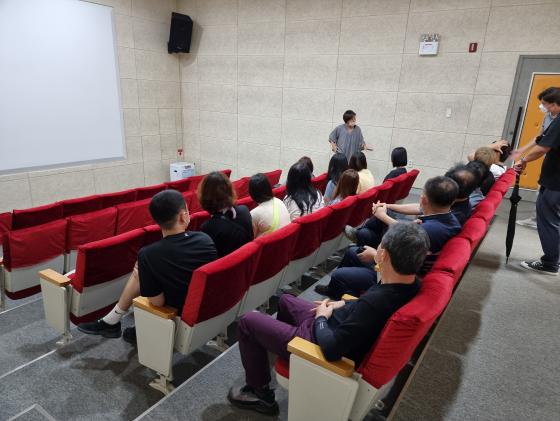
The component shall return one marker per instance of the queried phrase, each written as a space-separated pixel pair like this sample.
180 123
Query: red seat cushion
279 192
320 182
405 329
282 367
92 226
31 246
341 213
104 260
152 234
241 187
312 229
362 209
180 185
133 215
5 224
273 177
277 251
149 191
114 199
81 205
384 191
484 210
39 215
474 230
454 257
218 286
247 201
197 219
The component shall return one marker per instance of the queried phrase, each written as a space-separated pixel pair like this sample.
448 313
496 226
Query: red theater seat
81 205
114 199
197 219
227 173
279 192
133 215
5 226
273 177
149 191
247 201
180 185
362 210
241 187
454 257
152 234
39 215
320 182
474 230
384 192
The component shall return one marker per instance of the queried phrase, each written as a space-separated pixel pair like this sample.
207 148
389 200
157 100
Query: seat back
5 226
405 329
247 201
227 172
474 230
149 191
197 219
105 260
194 181
133 215
81 205
273 176
484 210
362 209
339 218
385 190
279 192
241 187
114 199
182 185
218 286
91 226
454 257
39 215
152 234
320 182
311 232
412 175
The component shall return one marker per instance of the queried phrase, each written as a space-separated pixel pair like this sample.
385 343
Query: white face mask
543 108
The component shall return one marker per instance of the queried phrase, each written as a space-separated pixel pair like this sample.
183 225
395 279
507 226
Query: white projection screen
59 85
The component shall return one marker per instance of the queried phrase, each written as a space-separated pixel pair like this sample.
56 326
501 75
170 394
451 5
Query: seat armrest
312 353
348 297
164 312
54 277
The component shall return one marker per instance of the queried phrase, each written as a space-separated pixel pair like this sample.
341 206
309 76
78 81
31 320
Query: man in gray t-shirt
347 138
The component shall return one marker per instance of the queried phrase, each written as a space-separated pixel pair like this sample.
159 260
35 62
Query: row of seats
319 389
54 244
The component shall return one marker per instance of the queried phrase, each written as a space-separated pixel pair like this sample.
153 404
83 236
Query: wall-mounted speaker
180 34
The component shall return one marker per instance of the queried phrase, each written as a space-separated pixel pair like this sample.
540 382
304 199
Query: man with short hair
467 180
164 268
356 273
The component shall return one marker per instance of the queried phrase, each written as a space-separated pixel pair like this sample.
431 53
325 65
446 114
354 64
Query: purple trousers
260 333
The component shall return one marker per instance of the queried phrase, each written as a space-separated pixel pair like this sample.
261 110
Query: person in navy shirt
356 272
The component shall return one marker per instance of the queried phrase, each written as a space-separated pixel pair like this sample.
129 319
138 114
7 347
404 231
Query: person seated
467 180
356 273
271 213
230 226
347 186
337 165
301 197
164 268
482 172
399 159
340 328
309 163
487 156
502 150
358 162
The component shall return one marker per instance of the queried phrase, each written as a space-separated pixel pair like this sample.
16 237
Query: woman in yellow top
358 162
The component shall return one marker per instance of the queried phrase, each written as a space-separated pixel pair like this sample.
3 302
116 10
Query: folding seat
81 205
495 198
279 192
310 239
247 201
454 257
133 215
152 234
277 249
320 182
182 185
333 232
114 199
273 177
362 210
402 185
241 187
85 228
27 251
149 191
197 219
337 391
474 231
5 226
212 303
39 215
384 192
102 269
484 210
194 204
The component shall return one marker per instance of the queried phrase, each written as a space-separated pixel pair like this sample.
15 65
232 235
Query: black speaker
180 34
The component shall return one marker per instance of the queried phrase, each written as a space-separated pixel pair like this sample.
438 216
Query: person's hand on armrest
380 213
158 300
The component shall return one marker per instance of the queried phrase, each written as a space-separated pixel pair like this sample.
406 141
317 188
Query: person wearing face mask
347 138
548 202
356 272
531 222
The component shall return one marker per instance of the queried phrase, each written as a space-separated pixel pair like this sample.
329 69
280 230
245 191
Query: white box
180 170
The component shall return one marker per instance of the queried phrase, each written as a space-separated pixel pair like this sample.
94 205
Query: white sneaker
529 222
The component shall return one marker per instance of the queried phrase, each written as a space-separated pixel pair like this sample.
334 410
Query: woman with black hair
337 165
358 162
399 159
271 213
301 197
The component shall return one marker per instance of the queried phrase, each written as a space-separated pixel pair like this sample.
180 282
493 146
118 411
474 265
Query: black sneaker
322 289
537 266
129 335
246 397
99 327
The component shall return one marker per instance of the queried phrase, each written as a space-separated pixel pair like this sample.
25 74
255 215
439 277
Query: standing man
548 202
347 138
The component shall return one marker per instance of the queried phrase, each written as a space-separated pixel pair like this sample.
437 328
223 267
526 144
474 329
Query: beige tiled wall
267 80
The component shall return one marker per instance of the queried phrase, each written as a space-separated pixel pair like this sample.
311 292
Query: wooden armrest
165 312
348 297
54 277
312 353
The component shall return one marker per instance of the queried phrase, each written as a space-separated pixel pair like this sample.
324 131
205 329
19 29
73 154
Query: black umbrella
514 198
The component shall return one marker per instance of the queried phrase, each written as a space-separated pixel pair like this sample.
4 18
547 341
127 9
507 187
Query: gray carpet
494 355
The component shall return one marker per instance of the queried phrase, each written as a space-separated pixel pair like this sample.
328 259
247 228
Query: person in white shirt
271 213
358 162
301 197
